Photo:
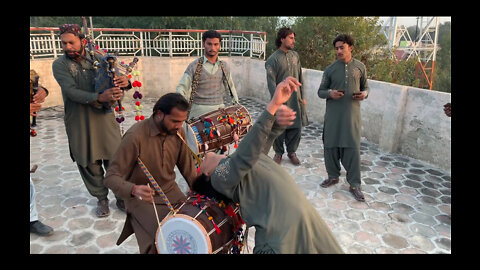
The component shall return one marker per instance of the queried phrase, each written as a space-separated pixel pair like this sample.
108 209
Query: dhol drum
199 226
211 131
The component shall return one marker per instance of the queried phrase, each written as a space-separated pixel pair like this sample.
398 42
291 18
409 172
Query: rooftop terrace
407 208
405 151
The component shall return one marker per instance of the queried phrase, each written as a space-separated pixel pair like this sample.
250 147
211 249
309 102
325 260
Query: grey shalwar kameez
343 122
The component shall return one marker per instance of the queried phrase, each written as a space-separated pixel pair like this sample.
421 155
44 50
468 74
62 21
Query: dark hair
282 33
71 28
203 186
345 38
169 101
211 34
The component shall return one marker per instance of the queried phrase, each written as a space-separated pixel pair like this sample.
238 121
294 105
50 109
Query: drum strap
155 185
199 161
226 80
196 78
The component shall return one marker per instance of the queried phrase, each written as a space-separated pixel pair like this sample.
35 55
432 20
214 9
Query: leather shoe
277 158
120 204
293 158
39 228
357 193
102 208
329 182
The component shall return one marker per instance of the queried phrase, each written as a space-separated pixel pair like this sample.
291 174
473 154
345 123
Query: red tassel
216 227
229 211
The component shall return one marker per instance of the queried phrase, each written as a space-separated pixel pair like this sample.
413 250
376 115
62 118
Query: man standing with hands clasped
344 85
282 63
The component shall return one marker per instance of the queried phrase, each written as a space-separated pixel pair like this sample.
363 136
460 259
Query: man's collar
205 59
154 131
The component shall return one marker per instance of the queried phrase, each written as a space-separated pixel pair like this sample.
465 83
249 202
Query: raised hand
285 116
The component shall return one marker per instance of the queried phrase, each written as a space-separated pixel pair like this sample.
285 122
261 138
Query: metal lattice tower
423 47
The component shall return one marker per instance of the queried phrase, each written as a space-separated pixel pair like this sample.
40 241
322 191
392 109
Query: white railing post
170 49
54 47
141 43
251 45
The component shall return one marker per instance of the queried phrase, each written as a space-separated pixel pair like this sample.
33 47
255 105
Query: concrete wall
398 118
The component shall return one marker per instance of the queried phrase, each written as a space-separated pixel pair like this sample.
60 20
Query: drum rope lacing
240 236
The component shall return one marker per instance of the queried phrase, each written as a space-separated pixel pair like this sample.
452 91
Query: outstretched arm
231 170
252 144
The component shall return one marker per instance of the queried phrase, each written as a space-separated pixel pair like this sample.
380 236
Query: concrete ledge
398 118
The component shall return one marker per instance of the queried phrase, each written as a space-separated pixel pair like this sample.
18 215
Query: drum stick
158 221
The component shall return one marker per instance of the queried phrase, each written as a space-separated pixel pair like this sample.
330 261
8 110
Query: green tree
315 35
442 77
385 68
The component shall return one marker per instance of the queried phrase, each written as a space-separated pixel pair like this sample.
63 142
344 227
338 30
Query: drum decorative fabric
201 226
217 129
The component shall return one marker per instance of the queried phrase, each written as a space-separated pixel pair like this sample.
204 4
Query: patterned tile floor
407 208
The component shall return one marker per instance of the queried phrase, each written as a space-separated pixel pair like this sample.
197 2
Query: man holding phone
344 85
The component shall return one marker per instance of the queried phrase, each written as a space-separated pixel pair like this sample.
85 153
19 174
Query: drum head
190 137
182 235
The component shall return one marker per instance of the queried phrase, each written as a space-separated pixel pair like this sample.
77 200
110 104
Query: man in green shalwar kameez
270 200
282 63
92 131
344 85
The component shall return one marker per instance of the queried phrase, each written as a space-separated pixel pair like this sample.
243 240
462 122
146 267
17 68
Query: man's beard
164 128
75 54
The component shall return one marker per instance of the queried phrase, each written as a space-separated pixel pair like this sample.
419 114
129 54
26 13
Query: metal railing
45 42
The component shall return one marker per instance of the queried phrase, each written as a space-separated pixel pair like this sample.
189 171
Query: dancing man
270 200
